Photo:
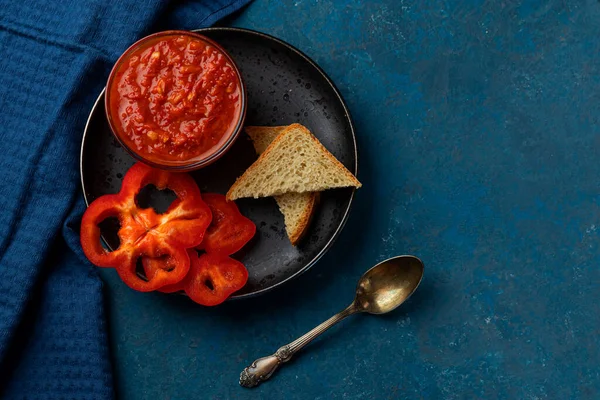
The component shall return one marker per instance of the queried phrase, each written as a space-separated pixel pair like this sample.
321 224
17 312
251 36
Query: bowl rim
183 166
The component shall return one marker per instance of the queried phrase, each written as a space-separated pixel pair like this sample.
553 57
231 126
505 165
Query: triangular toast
294 162
297 208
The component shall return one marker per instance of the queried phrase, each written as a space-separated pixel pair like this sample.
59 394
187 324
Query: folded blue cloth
55 57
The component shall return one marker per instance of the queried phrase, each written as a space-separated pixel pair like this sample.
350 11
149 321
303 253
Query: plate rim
306 58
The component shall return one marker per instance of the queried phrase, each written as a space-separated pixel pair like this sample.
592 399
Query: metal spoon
380 290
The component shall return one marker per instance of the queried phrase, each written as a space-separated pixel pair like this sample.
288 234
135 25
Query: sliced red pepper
152 264
213 278
227 233
176 287
229 230
144 232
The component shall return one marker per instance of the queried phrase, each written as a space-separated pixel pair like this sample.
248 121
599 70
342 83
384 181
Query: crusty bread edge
229 196
349 174
251 131
305 220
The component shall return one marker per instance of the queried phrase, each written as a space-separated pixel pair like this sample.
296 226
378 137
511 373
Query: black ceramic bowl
195 162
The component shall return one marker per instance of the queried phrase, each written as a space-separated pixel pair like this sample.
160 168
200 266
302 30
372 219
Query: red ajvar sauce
175 98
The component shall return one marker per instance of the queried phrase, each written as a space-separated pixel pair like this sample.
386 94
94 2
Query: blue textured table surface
477 126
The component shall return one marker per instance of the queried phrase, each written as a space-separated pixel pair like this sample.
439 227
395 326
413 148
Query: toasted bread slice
263 136
297 208
294 162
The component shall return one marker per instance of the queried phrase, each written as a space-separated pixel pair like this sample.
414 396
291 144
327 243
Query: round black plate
284 86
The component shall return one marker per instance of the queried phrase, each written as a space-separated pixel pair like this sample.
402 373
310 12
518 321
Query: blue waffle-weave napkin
55 57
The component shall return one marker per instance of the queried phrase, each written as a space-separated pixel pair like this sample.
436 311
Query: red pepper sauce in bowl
174 98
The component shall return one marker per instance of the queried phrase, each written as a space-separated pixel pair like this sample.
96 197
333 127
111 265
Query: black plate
284 86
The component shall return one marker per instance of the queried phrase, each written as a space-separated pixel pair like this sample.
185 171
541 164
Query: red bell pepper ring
144 232
152 264
212 278
227 233
229 230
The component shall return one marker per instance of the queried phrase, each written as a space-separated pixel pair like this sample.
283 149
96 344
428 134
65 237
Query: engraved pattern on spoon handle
262 369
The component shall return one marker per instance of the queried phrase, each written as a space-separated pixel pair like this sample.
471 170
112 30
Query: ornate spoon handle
262 369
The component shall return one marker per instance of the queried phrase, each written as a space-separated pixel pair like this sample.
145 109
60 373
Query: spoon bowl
388 284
